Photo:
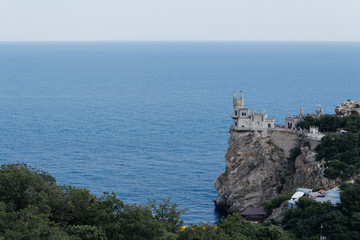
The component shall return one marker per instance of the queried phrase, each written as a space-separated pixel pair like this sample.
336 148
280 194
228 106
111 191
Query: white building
243 120
332 196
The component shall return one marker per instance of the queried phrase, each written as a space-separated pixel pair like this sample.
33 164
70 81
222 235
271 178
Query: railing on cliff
310 136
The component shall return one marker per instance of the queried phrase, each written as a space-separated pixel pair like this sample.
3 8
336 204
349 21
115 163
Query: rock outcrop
261 165
347 107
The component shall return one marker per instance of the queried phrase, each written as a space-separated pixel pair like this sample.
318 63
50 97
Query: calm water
151 120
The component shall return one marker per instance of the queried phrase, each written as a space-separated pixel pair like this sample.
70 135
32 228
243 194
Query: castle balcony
234 117
249 129
316 137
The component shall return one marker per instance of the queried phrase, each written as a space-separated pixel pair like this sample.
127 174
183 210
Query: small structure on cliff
254 214
292 122
332 196
243 120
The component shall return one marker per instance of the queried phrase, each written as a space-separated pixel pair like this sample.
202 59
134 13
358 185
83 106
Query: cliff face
346 107
259 167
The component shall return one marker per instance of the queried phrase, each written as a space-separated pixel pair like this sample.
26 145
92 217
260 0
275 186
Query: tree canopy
341 152
312 218
33 206
331 123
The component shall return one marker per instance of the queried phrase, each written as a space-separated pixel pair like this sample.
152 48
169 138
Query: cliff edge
261 165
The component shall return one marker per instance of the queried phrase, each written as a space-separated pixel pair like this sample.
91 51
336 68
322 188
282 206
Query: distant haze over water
151 120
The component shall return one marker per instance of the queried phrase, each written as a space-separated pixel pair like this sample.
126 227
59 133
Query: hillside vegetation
342 160
312 218
341 152
33 206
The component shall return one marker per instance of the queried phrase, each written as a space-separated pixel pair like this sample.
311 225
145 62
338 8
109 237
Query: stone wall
285 140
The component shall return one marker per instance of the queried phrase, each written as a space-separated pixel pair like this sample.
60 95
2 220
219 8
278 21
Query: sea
150 120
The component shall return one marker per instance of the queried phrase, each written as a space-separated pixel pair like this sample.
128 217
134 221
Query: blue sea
150 120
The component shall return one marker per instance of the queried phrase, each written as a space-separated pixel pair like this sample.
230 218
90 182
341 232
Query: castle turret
238 102
234 99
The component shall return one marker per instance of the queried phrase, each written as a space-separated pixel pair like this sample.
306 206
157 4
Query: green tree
276 202
168 213
341 153
86 232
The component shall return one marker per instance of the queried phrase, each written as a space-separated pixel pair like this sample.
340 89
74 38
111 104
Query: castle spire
234 99
242 99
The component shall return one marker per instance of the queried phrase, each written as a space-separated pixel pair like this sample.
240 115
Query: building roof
304 190
297 195
332 193
334 201
254 211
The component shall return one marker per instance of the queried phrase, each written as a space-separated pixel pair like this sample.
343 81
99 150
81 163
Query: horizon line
178 41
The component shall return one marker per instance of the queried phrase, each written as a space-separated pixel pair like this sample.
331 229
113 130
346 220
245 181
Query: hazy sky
119 20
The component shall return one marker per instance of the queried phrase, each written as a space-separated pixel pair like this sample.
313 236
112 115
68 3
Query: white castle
244 121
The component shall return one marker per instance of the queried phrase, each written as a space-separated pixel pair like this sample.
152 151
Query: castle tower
238 102
234 99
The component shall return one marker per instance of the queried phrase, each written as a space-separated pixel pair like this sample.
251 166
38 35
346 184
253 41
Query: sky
179 20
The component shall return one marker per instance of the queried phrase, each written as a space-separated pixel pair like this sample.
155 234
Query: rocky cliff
261 165
347 107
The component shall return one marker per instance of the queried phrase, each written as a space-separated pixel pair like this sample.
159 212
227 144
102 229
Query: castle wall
285 140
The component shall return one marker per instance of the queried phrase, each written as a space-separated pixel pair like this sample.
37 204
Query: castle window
269 125
243 114
235 124
235 113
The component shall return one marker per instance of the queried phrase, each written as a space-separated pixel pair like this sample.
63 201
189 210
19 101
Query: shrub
282 180
276 202
294 153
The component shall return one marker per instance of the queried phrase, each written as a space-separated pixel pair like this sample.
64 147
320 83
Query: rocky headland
261 165
347 107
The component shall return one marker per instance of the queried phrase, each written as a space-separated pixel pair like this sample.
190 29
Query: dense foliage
340 151
233 227
294 153
32 206
312 218
330 123
276 202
